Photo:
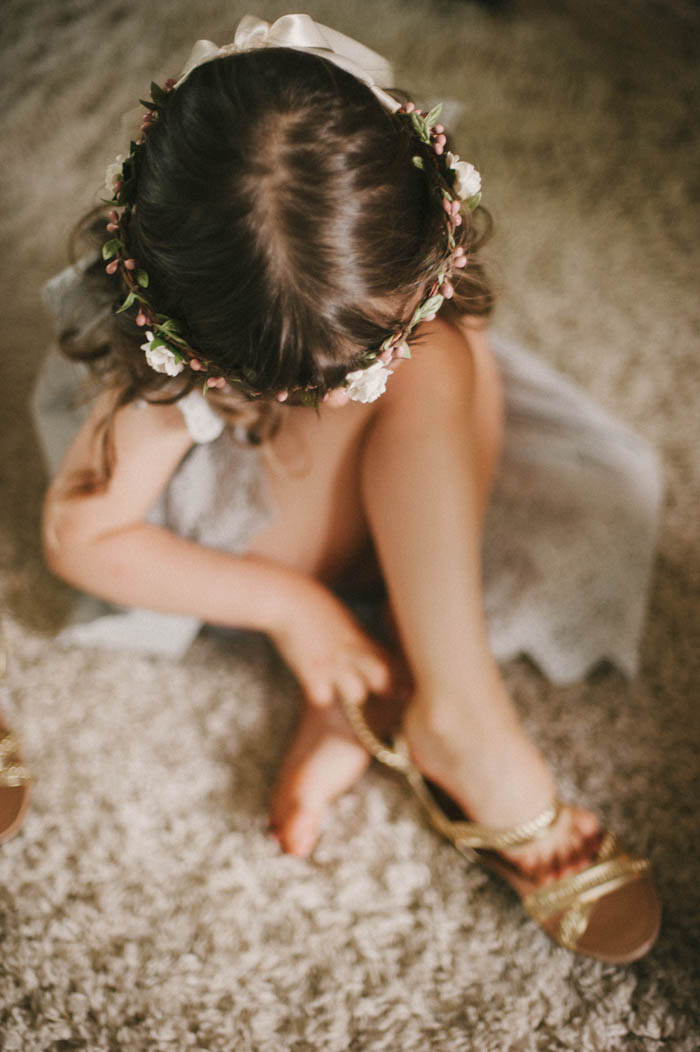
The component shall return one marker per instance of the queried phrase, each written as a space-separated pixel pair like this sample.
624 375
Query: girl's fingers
319 689
355 674
351 686
375 671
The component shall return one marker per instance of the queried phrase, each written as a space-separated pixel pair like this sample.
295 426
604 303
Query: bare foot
323 761
501 780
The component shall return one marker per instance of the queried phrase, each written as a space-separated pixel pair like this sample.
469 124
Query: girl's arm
101 544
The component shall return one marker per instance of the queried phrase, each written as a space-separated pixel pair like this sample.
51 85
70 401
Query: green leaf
430 307
473 202
157 342
149 104
128 302
142 278
432 117
419 127
158 95
111 248
169 327
418 161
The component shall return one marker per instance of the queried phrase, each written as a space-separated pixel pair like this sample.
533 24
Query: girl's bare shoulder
442 360
147 441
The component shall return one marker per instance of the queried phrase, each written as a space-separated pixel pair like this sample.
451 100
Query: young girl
283 236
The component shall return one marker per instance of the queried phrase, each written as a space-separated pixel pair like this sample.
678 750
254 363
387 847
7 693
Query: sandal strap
9 744
395 758
474 836
13 772
14 775
466 836
574 897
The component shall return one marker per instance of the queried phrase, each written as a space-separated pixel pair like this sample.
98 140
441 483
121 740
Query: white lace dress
568 544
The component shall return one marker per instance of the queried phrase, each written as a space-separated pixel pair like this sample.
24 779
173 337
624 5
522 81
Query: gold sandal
15 786
15 777
609 910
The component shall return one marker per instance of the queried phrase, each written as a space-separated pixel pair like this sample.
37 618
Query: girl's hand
327 650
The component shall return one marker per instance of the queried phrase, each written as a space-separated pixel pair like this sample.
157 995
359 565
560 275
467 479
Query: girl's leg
427 464
427 469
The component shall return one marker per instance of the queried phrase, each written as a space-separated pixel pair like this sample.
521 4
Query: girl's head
289 224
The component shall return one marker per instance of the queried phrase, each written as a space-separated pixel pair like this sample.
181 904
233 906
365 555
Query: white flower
112 173
467 178
366 385
161 358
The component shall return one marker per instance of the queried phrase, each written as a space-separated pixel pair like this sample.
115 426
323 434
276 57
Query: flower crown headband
166 349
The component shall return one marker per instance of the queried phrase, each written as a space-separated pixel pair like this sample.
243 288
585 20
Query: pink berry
195 364
458 220
447 205
111 268
460 262
439 128
282 396
410 107
441 139
447 290
438 148
130 264
141 318
113 216
338 396
112 227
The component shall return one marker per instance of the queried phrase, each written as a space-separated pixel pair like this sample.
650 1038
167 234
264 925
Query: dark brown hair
278 212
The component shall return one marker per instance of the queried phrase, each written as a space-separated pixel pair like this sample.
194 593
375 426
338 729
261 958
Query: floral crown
166 347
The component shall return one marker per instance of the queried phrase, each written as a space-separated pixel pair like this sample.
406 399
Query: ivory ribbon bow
301 33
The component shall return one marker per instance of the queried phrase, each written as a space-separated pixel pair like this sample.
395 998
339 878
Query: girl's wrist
283 593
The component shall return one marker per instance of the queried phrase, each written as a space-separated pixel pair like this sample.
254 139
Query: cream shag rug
143 906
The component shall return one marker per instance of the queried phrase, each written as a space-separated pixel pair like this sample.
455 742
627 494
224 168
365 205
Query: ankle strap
465 835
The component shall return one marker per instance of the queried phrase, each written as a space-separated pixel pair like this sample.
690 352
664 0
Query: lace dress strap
203 423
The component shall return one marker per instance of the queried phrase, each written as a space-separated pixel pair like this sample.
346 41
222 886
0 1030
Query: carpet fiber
143 907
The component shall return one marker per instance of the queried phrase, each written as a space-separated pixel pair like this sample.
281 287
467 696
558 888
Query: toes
529 861
298 832
587 823
568 847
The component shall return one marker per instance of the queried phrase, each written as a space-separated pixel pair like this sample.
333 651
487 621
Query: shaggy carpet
143 907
